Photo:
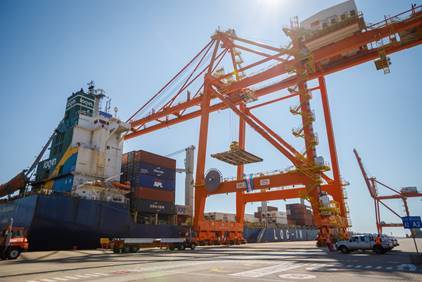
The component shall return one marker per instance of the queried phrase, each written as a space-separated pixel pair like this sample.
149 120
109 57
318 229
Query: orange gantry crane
217 78
372 182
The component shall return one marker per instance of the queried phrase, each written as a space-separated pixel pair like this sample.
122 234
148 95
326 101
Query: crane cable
177 76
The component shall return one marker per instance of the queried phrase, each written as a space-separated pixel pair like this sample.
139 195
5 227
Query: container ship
87 188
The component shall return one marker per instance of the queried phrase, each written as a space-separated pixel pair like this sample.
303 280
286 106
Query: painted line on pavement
101 274
316 266
297 276
81 276
409 266
264 271
74 277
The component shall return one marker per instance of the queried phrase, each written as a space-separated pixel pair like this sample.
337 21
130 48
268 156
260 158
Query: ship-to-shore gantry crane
203 86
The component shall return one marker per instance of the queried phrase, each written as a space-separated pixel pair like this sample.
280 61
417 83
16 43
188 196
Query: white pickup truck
364 242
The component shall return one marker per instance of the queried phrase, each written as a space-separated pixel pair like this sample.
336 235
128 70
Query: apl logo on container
157 184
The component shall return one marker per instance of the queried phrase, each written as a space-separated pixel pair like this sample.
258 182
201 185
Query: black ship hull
58 222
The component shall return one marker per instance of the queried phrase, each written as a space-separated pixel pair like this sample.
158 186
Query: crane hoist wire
164 92
176 86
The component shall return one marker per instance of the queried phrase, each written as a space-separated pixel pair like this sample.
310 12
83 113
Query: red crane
239 88
371 183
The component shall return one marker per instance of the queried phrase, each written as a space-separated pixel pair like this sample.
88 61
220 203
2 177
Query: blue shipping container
149 181
155 170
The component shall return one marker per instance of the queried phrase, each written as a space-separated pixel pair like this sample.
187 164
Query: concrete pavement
286 261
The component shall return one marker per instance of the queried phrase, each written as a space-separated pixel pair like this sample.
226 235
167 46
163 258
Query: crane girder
283 84
281 179
319 55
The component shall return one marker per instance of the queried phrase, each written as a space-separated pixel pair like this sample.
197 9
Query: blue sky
131 48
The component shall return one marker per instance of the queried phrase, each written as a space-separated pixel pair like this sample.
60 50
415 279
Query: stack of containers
299 214
152 179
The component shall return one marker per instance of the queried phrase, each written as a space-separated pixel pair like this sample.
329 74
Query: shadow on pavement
273 253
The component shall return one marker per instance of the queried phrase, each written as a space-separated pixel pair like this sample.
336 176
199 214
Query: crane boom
371 188
409 27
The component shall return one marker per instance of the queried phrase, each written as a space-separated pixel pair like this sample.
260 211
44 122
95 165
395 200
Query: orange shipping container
154 194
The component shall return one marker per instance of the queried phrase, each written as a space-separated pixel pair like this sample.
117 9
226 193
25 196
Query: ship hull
58 222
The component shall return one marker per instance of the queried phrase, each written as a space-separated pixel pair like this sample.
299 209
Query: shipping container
154 170
144 169
149 181
147 157
150 206
124 159
154 194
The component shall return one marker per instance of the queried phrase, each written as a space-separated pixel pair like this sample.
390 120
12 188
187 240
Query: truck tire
344 249
181 247
379 250
117 251
171 247
134 249
13 253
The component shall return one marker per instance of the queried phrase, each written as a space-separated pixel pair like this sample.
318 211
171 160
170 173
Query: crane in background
403 194
219 79
188 170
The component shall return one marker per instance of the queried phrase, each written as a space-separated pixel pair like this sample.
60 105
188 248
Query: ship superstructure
86 150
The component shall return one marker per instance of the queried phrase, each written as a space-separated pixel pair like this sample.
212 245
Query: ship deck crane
20 182
242 88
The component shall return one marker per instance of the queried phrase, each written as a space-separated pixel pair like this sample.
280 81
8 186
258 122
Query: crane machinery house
331 25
